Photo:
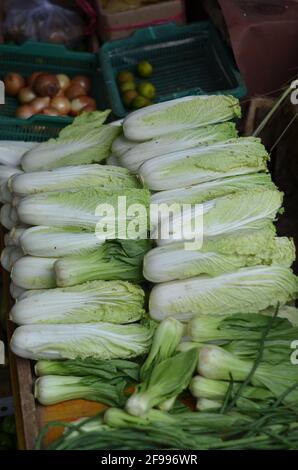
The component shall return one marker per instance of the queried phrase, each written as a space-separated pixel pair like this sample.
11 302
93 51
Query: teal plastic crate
31 57
187 60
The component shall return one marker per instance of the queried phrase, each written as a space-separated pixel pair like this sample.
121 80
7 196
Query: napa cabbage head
135 156
86 140
203 192
204 163
218 255
98 340
85 209
246 290
182 113
91 302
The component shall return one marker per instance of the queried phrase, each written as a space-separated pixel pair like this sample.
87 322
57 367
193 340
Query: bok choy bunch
52 389
218 364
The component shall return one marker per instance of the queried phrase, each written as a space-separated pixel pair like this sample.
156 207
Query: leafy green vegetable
99 340
244 210
136 154
202 164
51 389
119 259
166 380
31 272
203 192
86 140
166 338
219 364
73 178
112 371
94 301
182 113
218 255
248 290
79 208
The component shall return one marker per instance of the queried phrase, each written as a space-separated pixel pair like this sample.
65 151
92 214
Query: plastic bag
40 20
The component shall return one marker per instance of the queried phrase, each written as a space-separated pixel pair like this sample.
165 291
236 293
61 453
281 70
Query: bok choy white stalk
99 340
108 301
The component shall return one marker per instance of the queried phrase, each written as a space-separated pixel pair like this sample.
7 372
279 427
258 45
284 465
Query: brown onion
26 95
24 112
78 104
13 83
88 109
50 111
61 104
75 90
46 85
83 81
38 104
64 81
31 79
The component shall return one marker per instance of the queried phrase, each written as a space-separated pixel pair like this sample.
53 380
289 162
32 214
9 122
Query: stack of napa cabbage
187 152
76 288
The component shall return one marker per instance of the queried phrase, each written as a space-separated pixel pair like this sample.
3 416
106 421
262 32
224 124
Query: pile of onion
53 95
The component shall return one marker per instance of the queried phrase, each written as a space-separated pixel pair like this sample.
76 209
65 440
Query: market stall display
221 317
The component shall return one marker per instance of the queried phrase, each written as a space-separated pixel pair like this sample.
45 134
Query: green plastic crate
187 60
31 57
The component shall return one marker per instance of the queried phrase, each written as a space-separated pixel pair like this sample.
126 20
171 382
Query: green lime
144 69
125 76
140 102
147 90
128 97
127 86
